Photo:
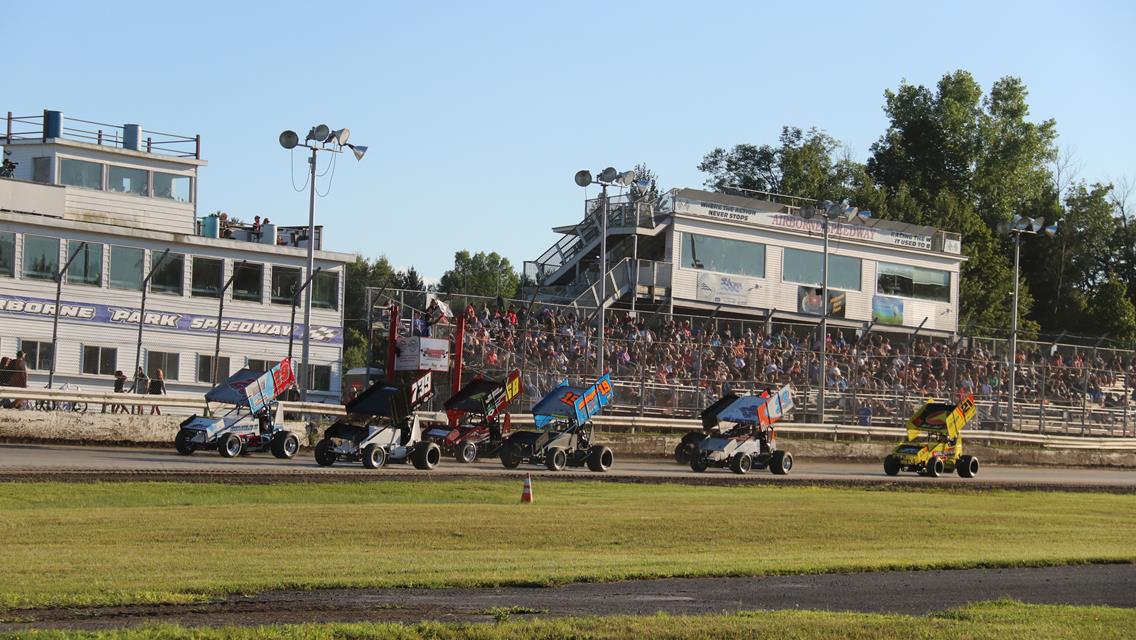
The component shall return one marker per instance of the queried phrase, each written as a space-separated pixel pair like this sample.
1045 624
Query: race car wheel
427 455
935 467
467 452
511 455
684 451
325 456
183 442
374 456
698 464
230 445
555 459
891 465
741 463
781 463
967 466
285 445
600 458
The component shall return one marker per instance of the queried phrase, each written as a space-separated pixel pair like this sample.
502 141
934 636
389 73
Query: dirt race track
914 592
61 462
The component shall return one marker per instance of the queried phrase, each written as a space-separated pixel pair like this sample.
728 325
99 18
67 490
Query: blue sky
477 114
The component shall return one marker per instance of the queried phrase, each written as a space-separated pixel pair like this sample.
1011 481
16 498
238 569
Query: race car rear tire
698 464
967 467
183 442
781 463
685 451
891 465
511 455
555 459
600 458
230 445
426 456
466 452
741 463
935 467
374 456
285 445
325 456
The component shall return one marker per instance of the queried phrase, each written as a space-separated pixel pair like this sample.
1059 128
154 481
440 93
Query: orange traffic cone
526 494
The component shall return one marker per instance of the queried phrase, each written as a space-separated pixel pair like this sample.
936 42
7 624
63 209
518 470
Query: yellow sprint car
934 441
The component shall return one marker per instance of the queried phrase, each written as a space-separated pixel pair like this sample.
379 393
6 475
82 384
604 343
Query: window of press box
7 254
174 187
127 180
41 170
205 369
80 173
248 282
913 282
169 275
325 290
285 281
86 263
167 362
126 268
723 255
37 354
206 278
100 361
260 365
807 267
319 377
41 257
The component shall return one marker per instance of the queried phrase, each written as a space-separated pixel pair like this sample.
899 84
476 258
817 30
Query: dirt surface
30 462
914 592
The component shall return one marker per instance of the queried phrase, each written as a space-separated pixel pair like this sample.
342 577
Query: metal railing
103 134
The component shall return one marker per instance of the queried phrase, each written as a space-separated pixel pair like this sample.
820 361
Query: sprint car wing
485 396
575 404
252 388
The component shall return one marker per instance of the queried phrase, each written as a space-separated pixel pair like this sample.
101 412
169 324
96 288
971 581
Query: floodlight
319 133
583 178
289 139
808 211
1036 224
864 214
341 135
1051 230
358 150
850 212
608 175
626 178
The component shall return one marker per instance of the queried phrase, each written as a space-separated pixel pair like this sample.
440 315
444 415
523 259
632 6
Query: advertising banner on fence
723 289
422 354
809 301
887 310
161 320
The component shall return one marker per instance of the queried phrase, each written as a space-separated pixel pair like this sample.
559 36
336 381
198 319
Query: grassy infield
63 544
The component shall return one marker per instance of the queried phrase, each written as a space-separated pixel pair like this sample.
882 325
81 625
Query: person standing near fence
140 387
157 388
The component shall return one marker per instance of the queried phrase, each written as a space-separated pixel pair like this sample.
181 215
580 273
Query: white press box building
746 255
131 195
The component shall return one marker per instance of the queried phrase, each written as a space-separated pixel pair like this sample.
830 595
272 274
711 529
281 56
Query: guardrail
614 423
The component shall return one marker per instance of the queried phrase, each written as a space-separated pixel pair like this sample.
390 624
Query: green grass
983 621
63 544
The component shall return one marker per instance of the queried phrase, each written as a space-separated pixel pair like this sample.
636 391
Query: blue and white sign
162 320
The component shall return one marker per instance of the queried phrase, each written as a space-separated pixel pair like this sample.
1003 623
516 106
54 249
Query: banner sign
887 311
723 289
836 228
809 301
416 353
162 320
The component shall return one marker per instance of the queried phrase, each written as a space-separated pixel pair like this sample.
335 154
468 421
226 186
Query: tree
1112 312
801 165
360 275
481 274
409 279
646 187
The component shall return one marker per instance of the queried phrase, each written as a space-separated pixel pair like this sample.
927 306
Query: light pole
55 320
319 137
607 177
142 311
1016 227
828 210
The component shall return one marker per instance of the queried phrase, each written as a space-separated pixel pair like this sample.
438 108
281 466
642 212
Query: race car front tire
555 459
511 455
183 442
600 458
230 445
285 445
466 452
967 467
891 465
781 463
935 467
374 456
741 463
325 456
698 464
426 456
